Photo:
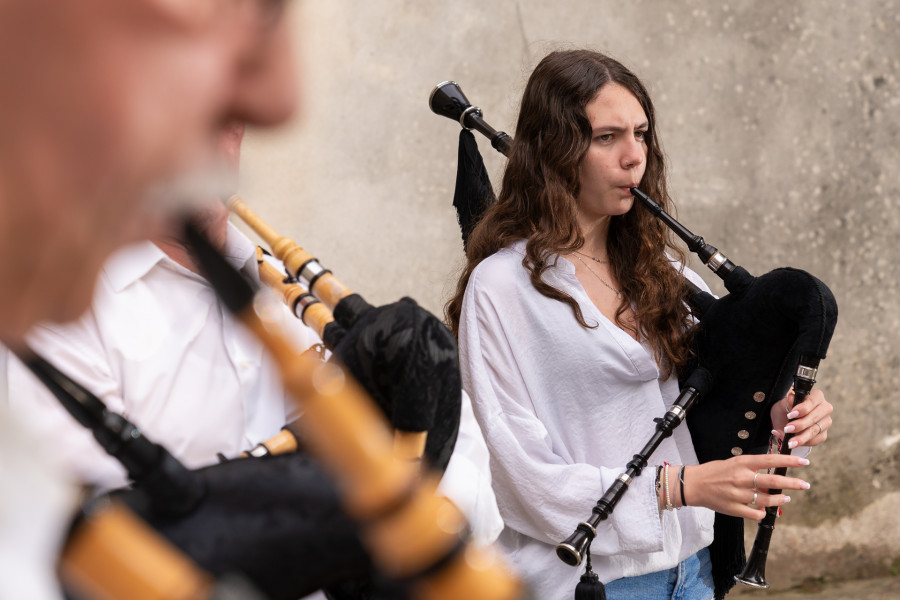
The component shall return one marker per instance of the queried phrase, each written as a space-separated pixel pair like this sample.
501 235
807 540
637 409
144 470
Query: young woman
572 324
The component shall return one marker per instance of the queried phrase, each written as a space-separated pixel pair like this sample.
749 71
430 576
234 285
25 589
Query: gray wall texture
781 121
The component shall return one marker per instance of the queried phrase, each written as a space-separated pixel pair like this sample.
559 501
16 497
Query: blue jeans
690 580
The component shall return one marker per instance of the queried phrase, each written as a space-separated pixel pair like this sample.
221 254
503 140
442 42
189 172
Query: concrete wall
781 121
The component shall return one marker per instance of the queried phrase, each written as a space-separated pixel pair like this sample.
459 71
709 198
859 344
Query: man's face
103 102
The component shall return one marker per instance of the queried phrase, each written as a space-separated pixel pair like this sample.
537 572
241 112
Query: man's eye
641 135
270 12
604 137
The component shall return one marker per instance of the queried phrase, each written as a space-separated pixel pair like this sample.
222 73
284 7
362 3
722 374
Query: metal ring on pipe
465 113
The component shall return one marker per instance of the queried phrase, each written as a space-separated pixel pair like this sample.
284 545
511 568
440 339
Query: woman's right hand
727 486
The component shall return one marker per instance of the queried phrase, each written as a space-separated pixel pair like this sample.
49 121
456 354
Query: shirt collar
133 262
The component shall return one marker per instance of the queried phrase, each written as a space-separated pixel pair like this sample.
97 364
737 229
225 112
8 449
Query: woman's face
617 156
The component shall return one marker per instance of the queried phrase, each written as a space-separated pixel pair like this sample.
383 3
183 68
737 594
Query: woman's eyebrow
618 128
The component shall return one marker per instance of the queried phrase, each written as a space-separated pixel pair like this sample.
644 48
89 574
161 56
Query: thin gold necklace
603 281
602 262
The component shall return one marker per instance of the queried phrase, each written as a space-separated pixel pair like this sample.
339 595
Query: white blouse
158 347
563 409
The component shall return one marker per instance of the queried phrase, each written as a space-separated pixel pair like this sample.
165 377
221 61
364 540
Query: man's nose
265 82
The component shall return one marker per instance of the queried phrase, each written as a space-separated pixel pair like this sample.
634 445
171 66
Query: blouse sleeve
540 494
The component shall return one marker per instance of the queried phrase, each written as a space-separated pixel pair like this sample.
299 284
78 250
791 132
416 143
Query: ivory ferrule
589 527
311 270
716 261
465 113
303 302
807 373
677 412
259 451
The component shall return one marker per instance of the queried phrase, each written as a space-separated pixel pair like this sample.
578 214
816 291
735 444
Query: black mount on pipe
448 100
168 484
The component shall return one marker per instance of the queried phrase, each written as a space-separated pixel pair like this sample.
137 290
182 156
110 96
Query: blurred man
102 101
157 345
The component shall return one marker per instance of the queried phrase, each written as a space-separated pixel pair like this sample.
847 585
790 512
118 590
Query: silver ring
753 502
820 428
755 486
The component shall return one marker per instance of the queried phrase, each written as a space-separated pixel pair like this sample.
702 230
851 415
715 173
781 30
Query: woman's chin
624 206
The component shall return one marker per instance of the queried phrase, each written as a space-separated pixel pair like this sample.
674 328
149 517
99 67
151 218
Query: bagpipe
112 553
403 355
356 521
749 347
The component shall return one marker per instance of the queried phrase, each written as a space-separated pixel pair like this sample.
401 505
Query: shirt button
743 434
736 451
759 396
750 414
245 365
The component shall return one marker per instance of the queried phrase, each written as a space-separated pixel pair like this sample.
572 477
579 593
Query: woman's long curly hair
537 203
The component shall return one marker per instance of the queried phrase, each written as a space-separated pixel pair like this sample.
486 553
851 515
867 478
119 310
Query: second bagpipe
403 355
750 346
282 522
406 360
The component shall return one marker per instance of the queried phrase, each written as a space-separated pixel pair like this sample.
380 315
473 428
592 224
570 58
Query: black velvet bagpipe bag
752 340
408 362
278 522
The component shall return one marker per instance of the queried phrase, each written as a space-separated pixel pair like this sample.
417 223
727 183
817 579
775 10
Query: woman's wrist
670 487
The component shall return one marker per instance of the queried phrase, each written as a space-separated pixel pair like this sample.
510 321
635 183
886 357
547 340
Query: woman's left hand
808 422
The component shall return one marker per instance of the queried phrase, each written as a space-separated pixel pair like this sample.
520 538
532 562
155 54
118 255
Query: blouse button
743 434
736 451
750 414
759 396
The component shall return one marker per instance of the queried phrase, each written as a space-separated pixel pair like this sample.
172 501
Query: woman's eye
604 137
641 135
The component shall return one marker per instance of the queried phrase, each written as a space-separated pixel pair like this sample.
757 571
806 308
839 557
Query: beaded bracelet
658 483
669 505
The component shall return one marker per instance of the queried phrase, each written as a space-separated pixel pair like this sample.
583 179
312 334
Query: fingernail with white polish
792 444
793 414
786 499
805 485
804 461
789 429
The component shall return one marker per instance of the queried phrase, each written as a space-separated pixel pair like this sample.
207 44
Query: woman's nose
633 154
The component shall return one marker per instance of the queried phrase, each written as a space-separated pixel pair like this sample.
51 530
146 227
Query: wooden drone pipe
411 531
408 445
301 264
113 555
314 315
